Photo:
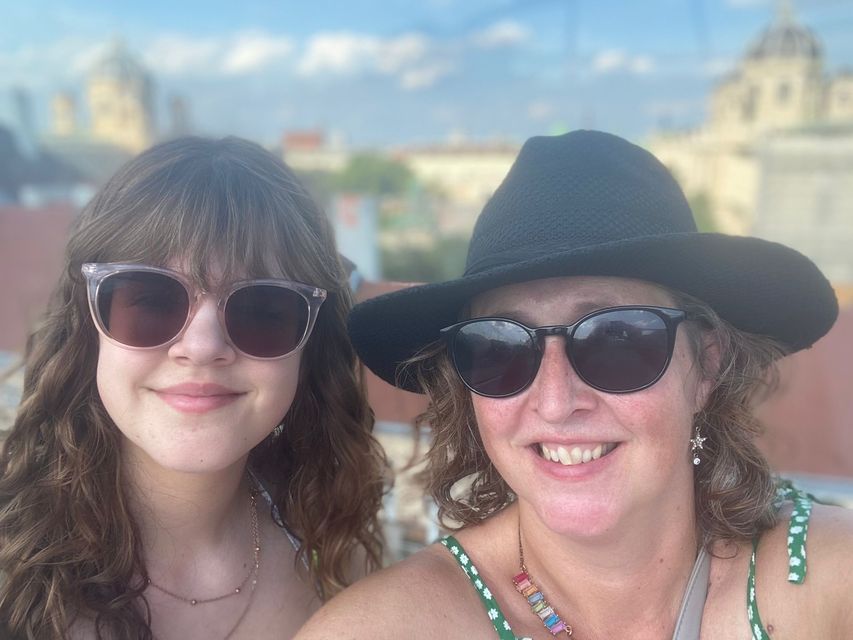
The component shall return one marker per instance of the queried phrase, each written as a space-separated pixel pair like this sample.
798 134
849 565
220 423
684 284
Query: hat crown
574 192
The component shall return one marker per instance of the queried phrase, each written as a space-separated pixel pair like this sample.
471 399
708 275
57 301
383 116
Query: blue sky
397 72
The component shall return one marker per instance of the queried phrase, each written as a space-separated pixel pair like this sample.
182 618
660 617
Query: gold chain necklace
253 571
538 604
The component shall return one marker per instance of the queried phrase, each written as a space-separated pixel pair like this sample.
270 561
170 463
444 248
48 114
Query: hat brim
758 286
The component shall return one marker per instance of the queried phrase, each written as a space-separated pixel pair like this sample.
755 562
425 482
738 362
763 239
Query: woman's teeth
575 455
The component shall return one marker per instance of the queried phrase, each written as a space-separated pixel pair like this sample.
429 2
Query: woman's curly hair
69 544
733 486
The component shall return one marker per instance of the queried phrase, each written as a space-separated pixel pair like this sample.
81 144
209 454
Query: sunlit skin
198 405
611 542
189 414
649 471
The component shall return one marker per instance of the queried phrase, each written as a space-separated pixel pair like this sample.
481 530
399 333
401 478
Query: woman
193 456
591 378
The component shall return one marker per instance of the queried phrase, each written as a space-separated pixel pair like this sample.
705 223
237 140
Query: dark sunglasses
616 350
142 307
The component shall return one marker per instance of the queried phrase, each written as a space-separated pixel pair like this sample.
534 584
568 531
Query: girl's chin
201 462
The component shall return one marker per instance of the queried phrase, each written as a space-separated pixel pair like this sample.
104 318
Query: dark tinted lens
142 309
621 350
494 357
266 321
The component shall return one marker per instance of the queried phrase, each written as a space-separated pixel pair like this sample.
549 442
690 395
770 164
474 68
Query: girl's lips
197 398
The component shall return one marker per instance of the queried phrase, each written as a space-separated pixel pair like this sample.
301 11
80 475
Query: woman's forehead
567 296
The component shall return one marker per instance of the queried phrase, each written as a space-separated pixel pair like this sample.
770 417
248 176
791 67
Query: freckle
660 561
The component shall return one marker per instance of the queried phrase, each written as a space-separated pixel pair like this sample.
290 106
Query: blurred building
805 191
121 100
465 174
779 86
114 122
180 122
314 150
355 218
63 115
32 249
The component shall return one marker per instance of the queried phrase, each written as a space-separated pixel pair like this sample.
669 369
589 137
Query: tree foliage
373 174
703 212
443 261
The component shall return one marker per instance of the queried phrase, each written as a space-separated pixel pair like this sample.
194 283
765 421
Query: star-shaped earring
696 443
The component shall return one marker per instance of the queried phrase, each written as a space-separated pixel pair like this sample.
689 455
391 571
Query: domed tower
779 82
63 109
120 95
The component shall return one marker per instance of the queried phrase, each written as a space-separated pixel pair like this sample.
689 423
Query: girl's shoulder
425 595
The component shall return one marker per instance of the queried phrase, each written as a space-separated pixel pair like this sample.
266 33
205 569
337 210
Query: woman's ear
709 361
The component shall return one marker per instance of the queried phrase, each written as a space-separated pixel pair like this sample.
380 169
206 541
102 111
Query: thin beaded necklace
538 604
253 571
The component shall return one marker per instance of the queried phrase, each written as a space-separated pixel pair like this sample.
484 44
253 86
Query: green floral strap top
797 531
798 528
494 612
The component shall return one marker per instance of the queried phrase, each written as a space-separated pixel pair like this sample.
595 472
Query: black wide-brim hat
590 203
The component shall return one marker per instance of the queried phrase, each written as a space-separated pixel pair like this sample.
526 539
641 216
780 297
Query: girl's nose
204 340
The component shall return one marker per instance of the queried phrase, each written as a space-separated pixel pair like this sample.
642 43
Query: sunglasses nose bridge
540 333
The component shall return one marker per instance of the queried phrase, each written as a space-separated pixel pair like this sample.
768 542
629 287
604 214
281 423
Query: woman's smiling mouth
568 455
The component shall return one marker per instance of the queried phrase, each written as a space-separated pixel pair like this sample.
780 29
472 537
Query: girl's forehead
214 270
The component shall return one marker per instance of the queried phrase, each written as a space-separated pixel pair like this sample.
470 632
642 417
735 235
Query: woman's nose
557 390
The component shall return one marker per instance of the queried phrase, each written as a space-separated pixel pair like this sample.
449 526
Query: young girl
192 457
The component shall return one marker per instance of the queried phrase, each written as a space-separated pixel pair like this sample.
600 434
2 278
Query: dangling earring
696 444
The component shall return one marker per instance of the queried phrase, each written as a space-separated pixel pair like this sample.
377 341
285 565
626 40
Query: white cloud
340 52
252 51
423 77
673 108
240 53
84 58
399 53
541 110
747 4
607 61
716 67
51 66
174 54
613 60
505 33
409 57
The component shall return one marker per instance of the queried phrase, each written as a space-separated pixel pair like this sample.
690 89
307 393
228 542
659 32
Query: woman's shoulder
770 583
830 555
810 587
826 533
416 596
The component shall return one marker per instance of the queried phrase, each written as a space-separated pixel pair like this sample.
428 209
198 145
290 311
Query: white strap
689 620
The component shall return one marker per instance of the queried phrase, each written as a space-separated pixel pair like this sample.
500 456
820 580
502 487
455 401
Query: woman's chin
578 520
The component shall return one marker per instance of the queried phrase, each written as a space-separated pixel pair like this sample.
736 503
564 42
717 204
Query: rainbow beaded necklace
538 604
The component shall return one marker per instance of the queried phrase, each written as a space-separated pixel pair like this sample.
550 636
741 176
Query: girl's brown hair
69 545
733 487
